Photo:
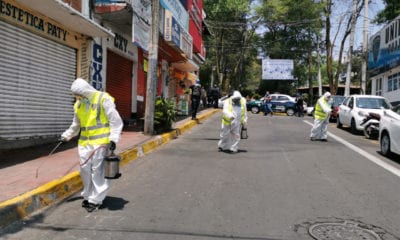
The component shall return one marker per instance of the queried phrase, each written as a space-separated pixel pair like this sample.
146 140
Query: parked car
389 131
356 107
283 103
335 102
255 106
279 103
310 111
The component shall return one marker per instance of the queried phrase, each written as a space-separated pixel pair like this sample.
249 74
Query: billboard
277 69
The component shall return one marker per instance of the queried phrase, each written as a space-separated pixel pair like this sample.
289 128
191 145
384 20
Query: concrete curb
24 205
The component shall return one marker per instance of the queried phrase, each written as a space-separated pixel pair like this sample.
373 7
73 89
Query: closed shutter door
35 79
119 83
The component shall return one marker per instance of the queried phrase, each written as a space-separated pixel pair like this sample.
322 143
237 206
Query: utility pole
353 26
365 49
319 69
152 69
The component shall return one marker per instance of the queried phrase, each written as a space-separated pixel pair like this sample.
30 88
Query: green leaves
165 114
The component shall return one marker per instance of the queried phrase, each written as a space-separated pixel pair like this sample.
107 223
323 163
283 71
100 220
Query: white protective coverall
321 118
235 116
95 186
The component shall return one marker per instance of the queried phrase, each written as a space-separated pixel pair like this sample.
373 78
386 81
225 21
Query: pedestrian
267 104
321 118
204 97
100 126
299 106
195 97
234 117
213 96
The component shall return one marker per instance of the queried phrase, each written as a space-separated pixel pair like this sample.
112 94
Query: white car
356 107
389 131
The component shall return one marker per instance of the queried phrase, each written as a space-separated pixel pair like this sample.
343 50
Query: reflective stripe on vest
227 121
95 127
319 113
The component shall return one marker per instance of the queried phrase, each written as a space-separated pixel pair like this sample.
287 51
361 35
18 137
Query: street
278 186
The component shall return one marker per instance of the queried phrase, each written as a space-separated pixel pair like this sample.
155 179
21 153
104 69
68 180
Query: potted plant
165 114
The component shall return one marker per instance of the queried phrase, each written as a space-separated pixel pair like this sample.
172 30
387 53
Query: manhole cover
341 231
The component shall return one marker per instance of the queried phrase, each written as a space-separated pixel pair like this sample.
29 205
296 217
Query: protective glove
112 146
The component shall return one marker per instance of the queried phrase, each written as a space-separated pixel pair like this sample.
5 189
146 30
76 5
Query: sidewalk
37 180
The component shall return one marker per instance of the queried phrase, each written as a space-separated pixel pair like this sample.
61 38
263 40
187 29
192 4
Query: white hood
236 95
82 88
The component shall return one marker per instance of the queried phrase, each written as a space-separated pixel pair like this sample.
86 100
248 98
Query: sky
344 7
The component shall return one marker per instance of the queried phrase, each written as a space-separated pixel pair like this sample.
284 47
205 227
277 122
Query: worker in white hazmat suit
100 126
234 116
321 118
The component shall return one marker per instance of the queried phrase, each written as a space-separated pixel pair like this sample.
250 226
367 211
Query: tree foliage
293 32
390 12
291 29
230 47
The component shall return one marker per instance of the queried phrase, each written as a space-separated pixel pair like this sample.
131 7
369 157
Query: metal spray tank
112 166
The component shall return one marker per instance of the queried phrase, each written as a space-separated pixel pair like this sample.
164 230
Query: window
351 103
378 88
393 82
372 103
389 83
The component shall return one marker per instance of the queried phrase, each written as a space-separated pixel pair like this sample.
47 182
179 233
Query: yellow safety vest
226 120
319 112
95 126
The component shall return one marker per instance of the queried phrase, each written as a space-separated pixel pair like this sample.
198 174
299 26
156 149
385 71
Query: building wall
384 61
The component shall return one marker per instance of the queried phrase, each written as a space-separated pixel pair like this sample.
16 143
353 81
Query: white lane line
370 157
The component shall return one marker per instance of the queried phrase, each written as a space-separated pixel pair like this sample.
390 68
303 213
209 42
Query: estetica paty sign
16 14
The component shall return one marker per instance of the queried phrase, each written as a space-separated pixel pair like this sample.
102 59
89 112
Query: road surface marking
367 155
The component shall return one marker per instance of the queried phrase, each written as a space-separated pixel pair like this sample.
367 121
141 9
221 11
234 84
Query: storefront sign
141 19
176 35
186 44
120 42
30 20
97 80
178 11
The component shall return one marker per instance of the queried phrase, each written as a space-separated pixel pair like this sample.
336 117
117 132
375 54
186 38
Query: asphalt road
279 186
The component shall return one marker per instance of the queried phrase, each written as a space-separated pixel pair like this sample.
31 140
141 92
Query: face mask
82 99
85 100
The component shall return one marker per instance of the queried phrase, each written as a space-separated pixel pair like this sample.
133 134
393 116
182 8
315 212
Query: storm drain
341 231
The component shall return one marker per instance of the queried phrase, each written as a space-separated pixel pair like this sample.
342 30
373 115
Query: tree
293 29
346 19
230 46
390 12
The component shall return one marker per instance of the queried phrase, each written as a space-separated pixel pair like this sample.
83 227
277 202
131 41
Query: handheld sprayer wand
52 151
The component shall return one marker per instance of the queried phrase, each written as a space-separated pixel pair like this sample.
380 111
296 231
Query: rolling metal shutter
119 83
35 79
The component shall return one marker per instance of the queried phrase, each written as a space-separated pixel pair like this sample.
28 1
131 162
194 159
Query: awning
188 66
67 16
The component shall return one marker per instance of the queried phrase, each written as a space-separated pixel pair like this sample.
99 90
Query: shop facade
40 58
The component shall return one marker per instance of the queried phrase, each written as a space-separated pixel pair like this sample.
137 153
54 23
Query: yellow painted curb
22 206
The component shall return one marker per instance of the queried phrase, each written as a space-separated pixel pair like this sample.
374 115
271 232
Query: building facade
45 47
47 44
384 62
